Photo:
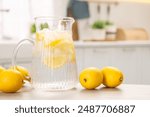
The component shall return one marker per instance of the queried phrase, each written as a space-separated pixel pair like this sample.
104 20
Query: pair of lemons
12 79
91 78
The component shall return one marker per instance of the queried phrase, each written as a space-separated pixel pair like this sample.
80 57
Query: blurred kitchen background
106 32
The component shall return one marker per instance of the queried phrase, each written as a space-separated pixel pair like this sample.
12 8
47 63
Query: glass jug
54 60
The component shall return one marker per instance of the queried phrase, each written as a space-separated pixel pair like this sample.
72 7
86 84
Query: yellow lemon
55 61
23 71
1 69
90 78
10 81
113 77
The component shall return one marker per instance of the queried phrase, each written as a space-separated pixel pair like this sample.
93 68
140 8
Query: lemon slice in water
62 51
39 36
53 43
55 61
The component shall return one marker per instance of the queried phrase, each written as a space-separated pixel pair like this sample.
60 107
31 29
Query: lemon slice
62 49
55 61
39 36
73 57
66 46
42 35
53 43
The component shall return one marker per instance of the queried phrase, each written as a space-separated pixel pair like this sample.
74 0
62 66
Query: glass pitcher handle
15 52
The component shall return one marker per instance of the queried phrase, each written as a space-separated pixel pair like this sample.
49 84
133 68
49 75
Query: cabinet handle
100 51
129 49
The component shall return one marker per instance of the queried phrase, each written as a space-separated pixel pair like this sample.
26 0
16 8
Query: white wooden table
133 92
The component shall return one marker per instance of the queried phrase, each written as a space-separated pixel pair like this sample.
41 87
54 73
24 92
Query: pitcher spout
66 23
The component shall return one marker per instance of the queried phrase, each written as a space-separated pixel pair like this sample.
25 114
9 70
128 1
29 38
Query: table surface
123 92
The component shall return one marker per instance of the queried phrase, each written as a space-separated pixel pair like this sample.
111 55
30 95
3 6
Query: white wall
132 15
17 22
123 15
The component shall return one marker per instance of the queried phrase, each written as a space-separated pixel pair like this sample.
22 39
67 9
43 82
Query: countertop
123 92
90 43
111 43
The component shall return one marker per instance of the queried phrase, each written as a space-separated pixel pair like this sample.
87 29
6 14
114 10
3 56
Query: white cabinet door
21 62
98 57
128 60
145 65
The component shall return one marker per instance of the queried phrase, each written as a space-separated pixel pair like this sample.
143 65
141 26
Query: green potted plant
98 31
33 28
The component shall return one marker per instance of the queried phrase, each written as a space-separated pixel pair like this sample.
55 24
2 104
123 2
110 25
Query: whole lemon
91 77
113 77
1 69
23 71
10 81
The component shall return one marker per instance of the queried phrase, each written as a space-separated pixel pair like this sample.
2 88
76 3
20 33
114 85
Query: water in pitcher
54 64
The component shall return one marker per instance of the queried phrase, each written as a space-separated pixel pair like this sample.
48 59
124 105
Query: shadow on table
54 95
102 89
100 93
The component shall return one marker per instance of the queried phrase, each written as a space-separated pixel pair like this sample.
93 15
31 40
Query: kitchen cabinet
145 65
132 59
127 59
23 57
98 57
26 62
